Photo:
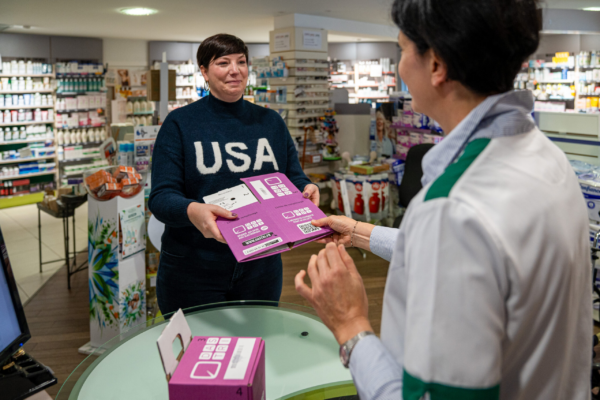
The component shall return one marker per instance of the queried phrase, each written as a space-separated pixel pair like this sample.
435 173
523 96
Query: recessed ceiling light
138 11
591 9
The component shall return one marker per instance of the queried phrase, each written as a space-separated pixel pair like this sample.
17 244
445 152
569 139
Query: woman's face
415 71
227 76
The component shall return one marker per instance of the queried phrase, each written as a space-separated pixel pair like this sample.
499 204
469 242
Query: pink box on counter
212 367
220 368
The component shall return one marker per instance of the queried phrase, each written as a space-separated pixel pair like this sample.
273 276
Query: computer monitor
13 328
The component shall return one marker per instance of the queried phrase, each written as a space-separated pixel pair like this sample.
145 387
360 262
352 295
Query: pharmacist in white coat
488 294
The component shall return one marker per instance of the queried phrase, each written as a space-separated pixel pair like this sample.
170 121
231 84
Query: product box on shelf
212 367
273 217
591 193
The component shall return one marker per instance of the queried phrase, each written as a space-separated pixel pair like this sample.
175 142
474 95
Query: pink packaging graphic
275 219
212 367
220 368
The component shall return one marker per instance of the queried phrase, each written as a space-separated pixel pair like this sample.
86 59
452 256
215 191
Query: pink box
277 222
220 368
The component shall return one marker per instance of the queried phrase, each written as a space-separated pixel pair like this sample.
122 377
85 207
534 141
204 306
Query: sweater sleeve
293 169
168 201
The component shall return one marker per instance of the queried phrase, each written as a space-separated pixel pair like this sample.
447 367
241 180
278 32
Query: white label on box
232 198
282 42
240 359
312 40
344 189
262 190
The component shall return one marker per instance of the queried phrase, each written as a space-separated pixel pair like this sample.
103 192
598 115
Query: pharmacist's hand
204 217
311 192
342 226
338 293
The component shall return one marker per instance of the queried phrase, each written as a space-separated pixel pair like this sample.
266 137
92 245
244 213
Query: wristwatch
346 348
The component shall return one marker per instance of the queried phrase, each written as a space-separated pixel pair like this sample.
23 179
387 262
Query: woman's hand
311 192
204 217
337 294
342 226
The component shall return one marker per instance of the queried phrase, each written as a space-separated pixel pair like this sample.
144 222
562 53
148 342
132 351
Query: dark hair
483 42
219 45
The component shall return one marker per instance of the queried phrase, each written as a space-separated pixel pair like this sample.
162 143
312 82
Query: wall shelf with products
26 107
25 123
25 176
26 91
27 76
360 76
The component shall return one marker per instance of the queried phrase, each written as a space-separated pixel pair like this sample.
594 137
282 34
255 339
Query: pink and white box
212 367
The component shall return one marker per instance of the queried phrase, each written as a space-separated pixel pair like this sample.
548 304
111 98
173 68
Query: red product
359 204
374 203
340 202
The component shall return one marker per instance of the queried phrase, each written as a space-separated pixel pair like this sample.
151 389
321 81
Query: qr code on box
308 228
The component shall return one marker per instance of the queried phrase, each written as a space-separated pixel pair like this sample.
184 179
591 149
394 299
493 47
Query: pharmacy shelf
185 97
21 199
292 106
78 75
185 85
25 176
25 141
26 91
19 160
22 123
25 107
26 75
63 111
80 127
82 92
80 159
137 114
558 81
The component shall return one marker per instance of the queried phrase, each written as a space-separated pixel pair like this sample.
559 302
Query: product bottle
136 107
340 202
374 203
59 138
129 107
359 204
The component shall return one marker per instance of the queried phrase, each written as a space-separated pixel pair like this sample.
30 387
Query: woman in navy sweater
201 149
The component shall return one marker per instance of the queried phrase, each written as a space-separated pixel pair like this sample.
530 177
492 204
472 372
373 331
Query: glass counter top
301 358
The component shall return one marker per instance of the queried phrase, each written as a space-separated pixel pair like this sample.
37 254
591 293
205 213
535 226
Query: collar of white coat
504 114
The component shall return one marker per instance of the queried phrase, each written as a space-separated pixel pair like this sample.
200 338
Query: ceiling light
591 9
138 11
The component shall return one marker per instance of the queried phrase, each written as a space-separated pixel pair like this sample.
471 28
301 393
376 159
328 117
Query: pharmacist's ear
438 69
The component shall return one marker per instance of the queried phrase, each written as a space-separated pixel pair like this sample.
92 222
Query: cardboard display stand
117 271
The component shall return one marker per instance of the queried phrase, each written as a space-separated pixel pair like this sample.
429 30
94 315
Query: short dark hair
483 42
219 45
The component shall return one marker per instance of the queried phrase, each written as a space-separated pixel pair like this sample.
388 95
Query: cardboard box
369 169
273 217
212 367
153 85
298 39
313 158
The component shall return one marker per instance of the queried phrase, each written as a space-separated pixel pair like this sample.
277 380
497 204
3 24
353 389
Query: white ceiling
194 20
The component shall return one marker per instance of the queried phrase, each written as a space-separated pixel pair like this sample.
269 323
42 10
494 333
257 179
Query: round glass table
301 358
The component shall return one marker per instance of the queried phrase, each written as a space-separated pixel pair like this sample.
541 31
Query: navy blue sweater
206 147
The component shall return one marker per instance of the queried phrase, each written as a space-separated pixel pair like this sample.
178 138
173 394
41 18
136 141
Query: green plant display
103 247
133 303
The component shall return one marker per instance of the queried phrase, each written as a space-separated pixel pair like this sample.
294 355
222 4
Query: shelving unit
26 107
23 160
26 123
26 176
26 91
26 75
350 78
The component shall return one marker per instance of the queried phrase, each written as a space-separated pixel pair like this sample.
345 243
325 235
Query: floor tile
22 295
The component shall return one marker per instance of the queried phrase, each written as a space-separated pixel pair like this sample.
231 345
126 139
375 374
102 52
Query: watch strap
347 347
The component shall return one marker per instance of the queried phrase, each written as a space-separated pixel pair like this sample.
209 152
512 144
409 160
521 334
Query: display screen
9 328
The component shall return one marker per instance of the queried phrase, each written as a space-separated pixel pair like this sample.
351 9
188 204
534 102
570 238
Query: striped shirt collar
504 114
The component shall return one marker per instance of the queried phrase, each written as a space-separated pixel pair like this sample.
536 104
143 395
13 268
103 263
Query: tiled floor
20 230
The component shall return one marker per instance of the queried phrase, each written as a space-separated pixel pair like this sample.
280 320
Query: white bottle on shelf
136 107
129 107
29 67
59 137
97 135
